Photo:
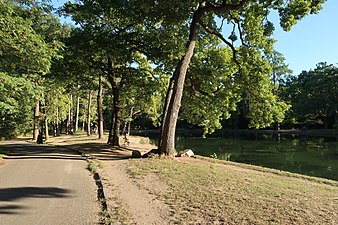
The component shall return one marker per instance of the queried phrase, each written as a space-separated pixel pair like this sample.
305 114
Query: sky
312 40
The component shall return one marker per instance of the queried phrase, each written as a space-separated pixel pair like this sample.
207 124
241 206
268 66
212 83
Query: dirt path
128 201
141 206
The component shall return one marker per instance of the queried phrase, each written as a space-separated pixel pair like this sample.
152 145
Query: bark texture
113 138
166 106
100 110
167 139
70 129
36 120
130 120
46 130
77 114
89 113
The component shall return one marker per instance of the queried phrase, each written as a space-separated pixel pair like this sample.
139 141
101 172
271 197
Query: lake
313 156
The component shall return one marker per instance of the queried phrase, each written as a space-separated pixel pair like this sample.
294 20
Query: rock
186 153
152 153
136 154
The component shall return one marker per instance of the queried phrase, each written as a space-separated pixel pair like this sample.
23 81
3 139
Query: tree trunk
118 116
111 129
36 120
116 119
113 138
100 110
54 128
89 113
77 113
69 114
170 120
83 126
45 121
124 128
129 121
46 129
71 125
57 128
166 104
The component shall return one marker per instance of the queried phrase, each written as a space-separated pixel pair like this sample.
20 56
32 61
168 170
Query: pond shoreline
333 133
308 152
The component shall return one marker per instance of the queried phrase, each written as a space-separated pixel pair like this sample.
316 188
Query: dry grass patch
207 192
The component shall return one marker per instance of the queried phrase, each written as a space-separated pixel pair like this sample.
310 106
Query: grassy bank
208 192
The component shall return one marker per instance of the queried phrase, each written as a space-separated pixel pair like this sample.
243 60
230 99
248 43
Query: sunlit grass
205 192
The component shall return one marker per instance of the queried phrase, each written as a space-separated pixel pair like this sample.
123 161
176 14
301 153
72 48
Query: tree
112 40
313 95
28 45
22 48
124 27
250 17
211 92
16 105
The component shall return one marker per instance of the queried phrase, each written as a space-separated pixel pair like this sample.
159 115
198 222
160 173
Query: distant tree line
314 98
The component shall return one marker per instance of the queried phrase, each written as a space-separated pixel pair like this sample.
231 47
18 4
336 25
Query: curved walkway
42 184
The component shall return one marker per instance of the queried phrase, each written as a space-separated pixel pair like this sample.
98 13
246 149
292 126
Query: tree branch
240 32
221 27
219 35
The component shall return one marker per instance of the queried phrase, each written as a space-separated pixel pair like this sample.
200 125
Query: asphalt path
44 185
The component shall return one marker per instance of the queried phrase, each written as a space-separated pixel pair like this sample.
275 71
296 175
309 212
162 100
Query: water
310 156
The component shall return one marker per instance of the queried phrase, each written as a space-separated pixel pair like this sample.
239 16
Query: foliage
55 101
30 41
16 104
211 92
145 40
313 95
264 107
134 94
214 88
23 44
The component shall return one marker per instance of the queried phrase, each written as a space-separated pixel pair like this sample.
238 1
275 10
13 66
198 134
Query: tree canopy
151 57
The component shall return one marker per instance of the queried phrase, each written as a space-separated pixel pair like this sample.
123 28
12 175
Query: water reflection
305 155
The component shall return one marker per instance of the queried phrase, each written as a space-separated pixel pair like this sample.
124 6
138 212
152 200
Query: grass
210 192
3 153
119 214
270 170
93 164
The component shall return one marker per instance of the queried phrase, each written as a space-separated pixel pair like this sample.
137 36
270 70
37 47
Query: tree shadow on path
25 150
102 151
11 195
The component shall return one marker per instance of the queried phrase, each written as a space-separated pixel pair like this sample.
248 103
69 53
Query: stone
185 153
136 154
152 153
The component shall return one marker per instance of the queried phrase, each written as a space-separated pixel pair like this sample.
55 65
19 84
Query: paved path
44 185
